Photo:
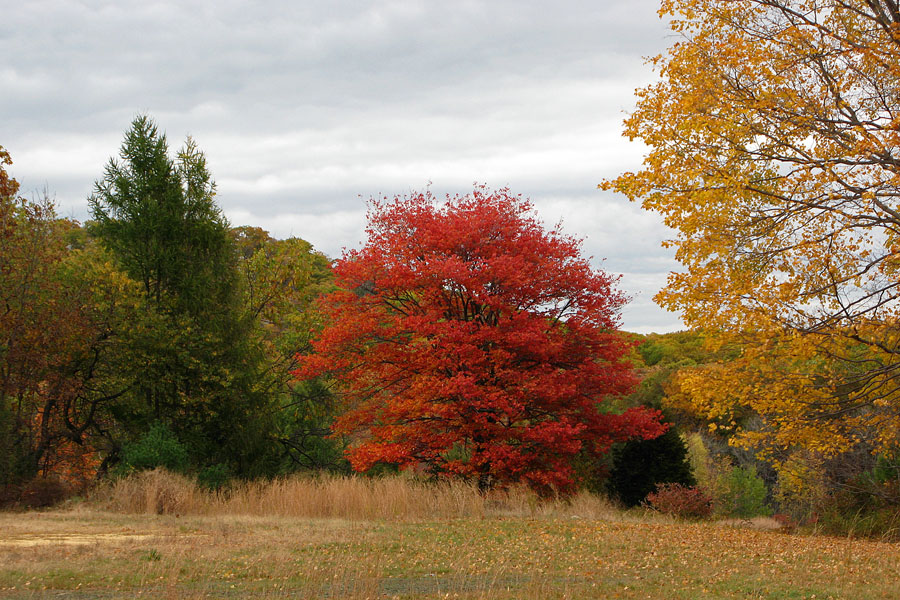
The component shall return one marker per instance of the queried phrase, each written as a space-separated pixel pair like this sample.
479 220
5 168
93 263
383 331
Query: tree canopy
63 310
773 136
159 218
472 341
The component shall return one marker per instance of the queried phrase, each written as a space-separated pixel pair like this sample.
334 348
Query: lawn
90 552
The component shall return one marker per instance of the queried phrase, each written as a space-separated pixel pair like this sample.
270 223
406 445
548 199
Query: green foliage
673 348
157 448
204 368
280 279
592 472
156 312
14 463
741 494
737 491
151 555
881 524
866 504
303 429
640 465
660 357
886 469
214 477
158 217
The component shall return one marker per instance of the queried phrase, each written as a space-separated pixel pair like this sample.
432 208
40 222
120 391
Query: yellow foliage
800 482
773 144
702 464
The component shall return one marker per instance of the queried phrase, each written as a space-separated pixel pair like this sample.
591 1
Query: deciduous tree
281 279
469 339
63 312
773 139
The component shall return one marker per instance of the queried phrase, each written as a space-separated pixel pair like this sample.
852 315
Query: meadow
159 536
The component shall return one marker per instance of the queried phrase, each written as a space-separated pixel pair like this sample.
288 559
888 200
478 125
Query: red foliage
686 502
471 340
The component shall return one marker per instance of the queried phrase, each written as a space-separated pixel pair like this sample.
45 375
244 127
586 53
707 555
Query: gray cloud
305 109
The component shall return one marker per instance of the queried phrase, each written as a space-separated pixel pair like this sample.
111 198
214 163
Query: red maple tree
469 339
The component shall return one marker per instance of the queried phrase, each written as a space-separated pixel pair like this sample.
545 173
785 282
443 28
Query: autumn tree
773 138
63 310
9 187
468 339
280 280
28 251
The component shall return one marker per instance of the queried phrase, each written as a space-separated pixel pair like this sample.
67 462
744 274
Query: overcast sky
306 109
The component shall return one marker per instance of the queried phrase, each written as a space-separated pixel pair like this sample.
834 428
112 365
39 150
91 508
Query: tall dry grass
355 498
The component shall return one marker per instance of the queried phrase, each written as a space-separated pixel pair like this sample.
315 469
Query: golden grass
333 497
219 556
356 538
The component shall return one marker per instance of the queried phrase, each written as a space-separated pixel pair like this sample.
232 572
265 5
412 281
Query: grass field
513 549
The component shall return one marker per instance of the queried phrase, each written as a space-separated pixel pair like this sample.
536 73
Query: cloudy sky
306 109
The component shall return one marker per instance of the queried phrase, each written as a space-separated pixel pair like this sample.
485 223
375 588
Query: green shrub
886 470
867 505
741 494
215 477
157 448
882 524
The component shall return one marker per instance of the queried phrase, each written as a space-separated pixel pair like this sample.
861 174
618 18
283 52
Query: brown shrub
685 502
42 492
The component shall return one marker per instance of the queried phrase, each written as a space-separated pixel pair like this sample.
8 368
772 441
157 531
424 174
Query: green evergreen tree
159 217
199 367
639 465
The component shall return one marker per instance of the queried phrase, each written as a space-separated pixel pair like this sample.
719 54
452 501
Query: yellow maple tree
773 139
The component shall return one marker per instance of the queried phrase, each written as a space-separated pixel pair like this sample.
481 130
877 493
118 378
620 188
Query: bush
867 505
802 486
742 494
882 524
684 502
214 478
42 492
640 465
157 448
9 495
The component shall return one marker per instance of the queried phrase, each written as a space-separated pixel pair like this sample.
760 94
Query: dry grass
329 497
346 539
